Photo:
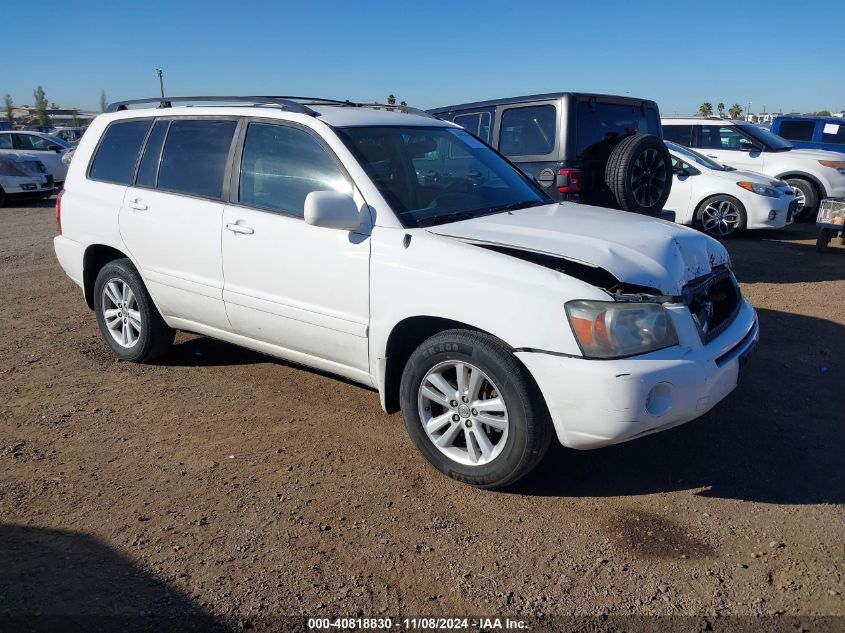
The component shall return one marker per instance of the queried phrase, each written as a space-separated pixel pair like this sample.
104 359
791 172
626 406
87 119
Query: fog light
773 215
659 399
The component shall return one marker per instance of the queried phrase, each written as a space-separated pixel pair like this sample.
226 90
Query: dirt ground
223 482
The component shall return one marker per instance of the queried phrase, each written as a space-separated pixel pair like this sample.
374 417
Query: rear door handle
240 228
137 204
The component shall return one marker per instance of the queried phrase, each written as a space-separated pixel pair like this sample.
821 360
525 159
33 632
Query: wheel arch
403 339
802 175
96 256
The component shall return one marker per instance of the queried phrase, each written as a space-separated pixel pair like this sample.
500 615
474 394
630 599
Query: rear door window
797 130
680 134
193 161
600 126
528 131
117 154
722 137
477 123
834 133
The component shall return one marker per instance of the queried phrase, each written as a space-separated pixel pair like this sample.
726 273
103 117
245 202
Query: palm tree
705 109
391 99
720 108
735 111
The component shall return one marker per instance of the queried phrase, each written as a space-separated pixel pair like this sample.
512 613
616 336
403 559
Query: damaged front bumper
595 403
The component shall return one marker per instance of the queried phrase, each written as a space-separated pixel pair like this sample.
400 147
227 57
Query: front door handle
712 156
240 228
137 204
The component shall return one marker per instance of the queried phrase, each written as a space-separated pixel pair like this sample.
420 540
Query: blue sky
432 53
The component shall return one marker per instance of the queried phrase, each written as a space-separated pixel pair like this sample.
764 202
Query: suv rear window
194 157
527 131
797 130
117 154
477 123
600 126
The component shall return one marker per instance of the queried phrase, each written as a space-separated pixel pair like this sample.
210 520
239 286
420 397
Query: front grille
713 302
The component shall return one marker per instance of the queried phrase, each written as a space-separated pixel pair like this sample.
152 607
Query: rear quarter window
117 153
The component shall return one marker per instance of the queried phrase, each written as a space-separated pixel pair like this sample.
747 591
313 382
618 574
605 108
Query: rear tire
808 198
128 319
639 173
489 427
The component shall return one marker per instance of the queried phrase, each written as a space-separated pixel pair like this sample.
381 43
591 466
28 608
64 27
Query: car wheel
128 319
473 410
639 173
2 197
823 240
721 216
806 197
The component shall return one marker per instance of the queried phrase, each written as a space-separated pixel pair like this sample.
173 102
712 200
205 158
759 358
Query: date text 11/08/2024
416 624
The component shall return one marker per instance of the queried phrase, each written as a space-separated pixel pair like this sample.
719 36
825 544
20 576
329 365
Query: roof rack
290 103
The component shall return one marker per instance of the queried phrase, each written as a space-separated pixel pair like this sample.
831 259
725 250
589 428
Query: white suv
813 174
398 251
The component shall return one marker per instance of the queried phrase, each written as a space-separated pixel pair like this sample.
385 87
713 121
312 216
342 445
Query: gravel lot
223 482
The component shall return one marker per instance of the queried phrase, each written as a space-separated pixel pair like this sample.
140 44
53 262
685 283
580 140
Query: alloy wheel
463 413
648 178
120 312
720 218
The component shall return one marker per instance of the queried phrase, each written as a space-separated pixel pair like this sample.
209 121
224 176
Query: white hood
633 248
814 154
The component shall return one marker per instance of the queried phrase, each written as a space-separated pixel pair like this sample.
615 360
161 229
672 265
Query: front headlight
758 188
609 329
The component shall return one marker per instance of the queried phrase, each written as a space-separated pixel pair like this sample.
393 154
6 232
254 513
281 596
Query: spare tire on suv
639 173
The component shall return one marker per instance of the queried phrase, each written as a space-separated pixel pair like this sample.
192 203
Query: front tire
129 321
721 216
807 197
473 410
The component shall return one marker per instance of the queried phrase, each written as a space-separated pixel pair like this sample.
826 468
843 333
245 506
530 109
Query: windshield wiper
457 216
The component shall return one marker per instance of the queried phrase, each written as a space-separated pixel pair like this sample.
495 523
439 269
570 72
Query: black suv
597 149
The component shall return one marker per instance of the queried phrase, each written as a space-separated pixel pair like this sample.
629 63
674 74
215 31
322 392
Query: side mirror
54 148
332 210
745 146
679 170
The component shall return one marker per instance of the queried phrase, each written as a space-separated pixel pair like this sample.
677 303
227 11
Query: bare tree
7 101
104 102
41 106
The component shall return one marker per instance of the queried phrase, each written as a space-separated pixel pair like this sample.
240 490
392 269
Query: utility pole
160 74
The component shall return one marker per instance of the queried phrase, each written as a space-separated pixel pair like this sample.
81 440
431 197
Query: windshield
59 141
771 141
695 157
432 175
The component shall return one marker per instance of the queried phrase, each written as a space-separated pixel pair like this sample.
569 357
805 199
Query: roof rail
286 103
290 103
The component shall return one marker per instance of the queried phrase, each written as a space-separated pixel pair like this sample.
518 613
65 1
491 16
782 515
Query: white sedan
43 147
722 201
